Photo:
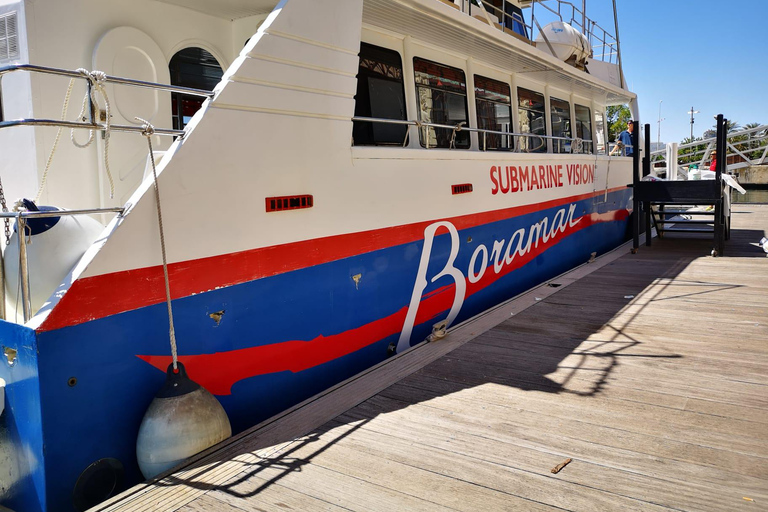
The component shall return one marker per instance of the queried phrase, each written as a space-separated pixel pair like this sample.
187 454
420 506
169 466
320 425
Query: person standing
624 141
713 165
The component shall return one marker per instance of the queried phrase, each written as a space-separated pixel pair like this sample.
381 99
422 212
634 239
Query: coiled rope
97 81
148 130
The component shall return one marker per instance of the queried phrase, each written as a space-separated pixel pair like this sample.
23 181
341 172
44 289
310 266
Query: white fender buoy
182 420
55 245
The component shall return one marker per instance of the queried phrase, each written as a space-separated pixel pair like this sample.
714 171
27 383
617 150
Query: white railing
744 148
573 145
604 44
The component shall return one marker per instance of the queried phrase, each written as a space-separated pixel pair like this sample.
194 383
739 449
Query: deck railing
572 142
93 123
21 229
743 148
604 44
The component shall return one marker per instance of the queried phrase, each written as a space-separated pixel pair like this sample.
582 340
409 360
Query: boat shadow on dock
571 342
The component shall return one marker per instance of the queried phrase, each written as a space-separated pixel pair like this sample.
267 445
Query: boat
337 181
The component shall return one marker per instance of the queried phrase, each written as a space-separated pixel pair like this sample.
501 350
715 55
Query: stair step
685 212
686 230
684 221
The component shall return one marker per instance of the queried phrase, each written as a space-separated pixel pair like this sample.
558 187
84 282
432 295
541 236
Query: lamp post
692 112
658 140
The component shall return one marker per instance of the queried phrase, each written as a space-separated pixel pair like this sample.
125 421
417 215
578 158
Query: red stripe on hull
219 371
95 297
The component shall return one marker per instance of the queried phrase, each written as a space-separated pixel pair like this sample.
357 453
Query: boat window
560 111
584 127
599 136
494 112
530 108
442 95
196 68
380 94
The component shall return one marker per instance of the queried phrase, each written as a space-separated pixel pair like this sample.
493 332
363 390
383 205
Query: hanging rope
149 130
7 220
97 80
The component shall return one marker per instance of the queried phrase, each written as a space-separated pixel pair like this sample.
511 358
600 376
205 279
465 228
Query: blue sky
708 54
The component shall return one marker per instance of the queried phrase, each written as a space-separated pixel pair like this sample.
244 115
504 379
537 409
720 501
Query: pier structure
634 382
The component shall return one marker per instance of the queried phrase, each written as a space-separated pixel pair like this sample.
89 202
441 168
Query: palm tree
730 126
756 139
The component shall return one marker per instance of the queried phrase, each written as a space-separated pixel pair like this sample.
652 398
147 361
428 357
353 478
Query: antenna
692 112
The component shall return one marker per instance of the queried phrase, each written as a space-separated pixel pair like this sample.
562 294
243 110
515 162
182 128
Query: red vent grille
463 188
279 204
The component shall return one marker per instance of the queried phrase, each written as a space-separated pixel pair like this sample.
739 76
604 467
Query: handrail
749 147
87 126
110 79
93 125
21 228
460 127
604 44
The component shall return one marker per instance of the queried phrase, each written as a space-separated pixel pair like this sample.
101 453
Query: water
752 196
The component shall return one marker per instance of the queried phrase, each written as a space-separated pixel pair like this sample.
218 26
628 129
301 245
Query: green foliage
617 117
692 154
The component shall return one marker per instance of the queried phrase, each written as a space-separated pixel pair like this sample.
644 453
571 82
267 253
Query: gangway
743 149
663 201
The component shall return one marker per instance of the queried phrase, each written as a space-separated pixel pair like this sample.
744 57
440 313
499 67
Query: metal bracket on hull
439 330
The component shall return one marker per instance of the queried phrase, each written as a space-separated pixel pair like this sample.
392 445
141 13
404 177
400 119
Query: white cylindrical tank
54 246
567 42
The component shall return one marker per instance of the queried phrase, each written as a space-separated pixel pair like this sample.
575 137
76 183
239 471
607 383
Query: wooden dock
649 372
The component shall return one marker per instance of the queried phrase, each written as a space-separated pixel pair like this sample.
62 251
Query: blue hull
77 394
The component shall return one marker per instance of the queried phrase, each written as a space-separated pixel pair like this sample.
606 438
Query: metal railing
21 230
93 124
743 148
604 44
461 127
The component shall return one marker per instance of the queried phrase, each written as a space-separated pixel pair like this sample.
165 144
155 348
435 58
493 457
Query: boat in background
339 181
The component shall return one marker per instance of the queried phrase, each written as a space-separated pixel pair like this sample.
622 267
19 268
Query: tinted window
380 94
442 95
195 68
494 112
561 125
584 128
600 146
530 107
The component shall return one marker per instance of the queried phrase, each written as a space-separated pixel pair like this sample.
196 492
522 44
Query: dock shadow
570 343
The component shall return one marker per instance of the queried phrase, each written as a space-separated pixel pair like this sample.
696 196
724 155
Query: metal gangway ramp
743 148
671 205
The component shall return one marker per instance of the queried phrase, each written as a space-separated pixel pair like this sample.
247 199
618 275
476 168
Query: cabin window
195 68
442 95
380 94
494 112
560 110
599 136
530 107
584 127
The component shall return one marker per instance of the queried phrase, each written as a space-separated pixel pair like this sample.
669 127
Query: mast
618 46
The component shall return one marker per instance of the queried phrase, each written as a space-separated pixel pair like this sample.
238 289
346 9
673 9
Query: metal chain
7 221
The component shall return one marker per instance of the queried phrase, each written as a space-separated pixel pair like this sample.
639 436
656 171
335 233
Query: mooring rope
149 130
97 80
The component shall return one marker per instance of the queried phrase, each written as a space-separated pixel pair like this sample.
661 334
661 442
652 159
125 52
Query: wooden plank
651 374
